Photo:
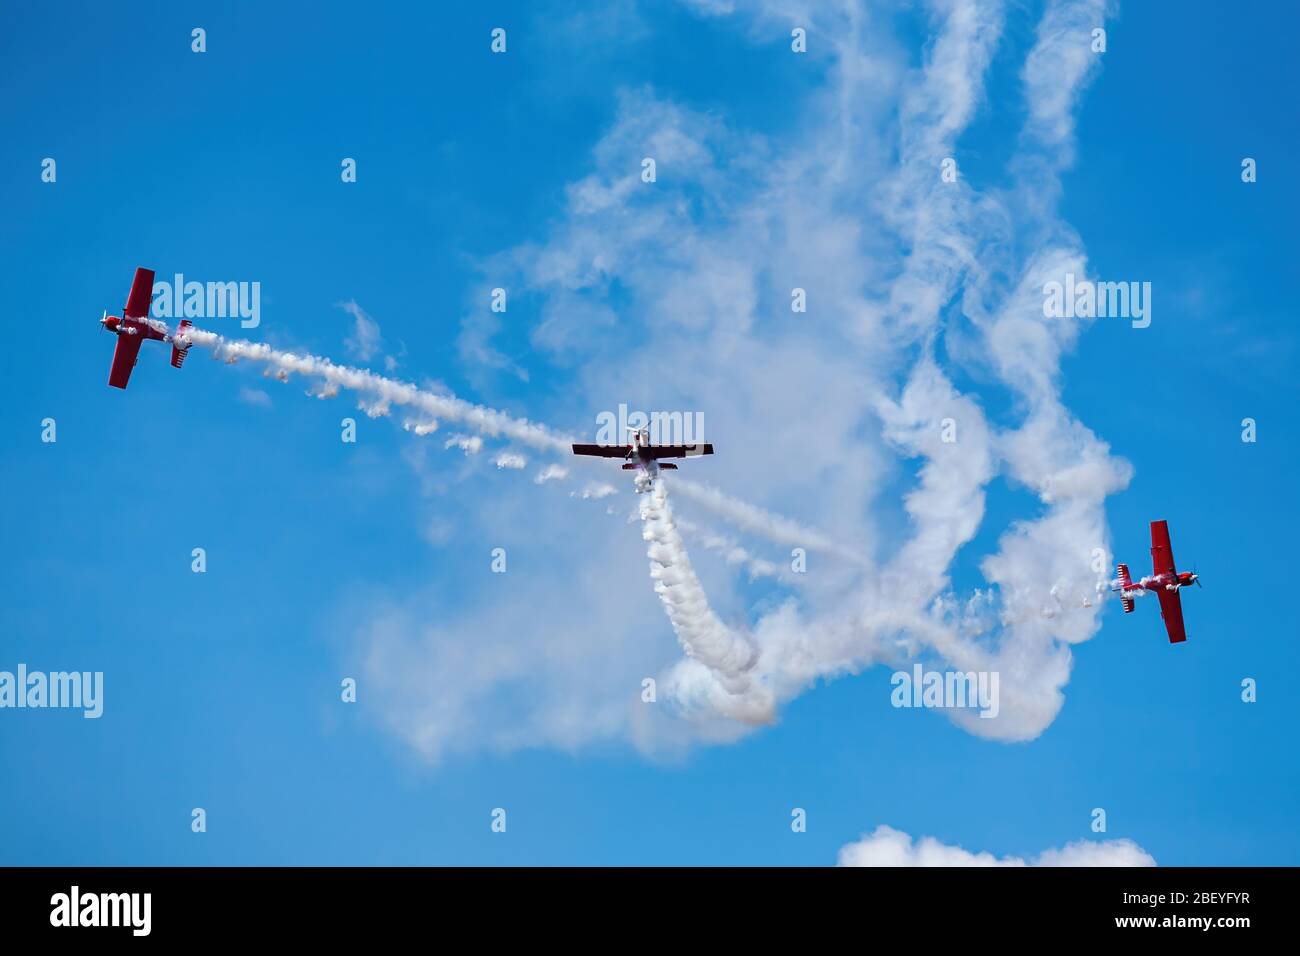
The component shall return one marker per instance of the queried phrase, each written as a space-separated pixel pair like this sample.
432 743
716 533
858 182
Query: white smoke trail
772 526
469 444
727 654
384 391
736 555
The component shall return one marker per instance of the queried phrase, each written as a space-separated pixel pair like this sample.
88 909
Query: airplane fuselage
1160 582
640 457
144 328
643 456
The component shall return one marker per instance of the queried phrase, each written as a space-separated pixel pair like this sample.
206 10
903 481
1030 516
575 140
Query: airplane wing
1162 554
603 451
137 304
1171 609
680 451
124 356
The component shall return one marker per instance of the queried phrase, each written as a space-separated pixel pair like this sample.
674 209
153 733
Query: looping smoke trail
727 654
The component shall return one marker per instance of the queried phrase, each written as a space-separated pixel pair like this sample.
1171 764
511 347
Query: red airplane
1164 581
135 326
643 456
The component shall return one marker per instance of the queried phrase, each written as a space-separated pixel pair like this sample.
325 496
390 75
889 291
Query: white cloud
365 341
254 396
889 847
596 491
421 428
469 444
550 473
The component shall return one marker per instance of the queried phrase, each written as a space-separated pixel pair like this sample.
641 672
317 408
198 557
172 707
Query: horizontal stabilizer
178 353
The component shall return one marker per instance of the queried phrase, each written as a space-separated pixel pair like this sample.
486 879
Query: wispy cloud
365 341
469 444
550 473
254 396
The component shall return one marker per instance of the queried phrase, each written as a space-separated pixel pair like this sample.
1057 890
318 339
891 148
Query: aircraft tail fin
180 346
1125 582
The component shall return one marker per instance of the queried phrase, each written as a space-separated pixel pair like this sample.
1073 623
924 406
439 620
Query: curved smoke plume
726 656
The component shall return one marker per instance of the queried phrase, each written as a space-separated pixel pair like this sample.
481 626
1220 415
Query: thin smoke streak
495 423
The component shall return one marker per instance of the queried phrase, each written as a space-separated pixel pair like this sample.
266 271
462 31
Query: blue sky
371 560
